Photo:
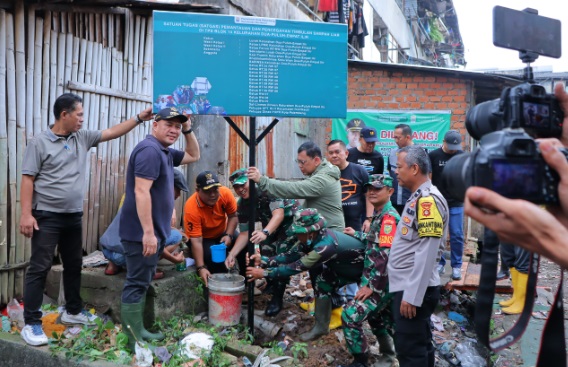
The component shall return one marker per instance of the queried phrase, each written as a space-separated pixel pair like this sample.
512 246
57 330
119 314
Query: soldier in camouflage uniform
276 216
338 257
373 300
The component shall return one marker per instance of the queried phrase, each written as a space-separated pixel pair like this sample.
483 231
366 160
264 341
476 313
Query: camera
509 163
526 106
508 160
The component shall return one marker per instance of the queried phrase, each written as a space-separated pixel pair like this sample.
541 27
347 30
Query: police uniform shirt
418 244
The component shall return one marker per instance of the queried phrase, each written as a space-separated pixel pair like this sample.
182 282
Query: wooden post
11 129
45 71
3 163
20 32
37 100
30 63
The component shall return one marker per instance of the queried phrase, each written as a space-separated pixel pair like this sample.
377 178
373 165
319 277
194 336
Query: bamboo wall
105 56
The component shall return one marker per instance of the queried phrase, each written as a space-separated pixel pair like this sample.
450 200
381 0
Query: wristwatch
230 235
187 132
265 231
138 119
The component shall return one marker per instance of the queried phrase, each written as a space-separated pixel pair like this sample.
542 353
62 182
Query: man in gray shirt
415 252
51 195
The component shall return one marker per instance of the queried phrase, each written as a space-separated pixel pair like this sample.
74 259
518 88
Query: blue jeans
456 237
117 258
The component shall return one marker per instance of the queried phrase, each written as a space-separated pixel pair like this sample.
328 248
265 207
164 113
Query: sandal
112 269
159 274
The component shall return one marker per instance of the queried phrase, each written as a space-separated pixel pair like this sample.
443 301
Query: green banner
428 127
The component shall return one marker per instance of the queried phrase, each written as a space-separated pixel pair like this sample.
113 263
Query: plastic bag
16 312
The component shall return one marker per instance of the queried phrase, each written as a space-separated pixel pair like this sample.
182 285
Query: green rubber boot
132 324
322 313
146 335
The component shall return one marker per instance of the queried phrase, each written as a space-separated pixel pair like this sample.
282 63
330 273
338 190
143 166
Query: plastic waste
16 312
144 357
193 344
468 355
6 324
163 354
457 318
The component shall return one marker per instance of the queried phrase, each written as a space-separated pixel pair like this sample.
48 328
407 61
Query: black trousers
413 337
515 257
65 230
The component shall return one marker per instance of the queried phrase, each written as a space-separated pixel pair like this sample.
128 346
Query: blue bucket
218 253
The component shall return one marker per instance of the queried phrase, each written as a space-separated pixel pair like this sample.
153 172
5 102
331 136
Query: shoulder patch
430 222
388 229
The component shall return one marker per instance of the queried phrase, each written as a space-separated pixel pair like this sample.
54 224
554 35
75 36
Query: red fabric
327 5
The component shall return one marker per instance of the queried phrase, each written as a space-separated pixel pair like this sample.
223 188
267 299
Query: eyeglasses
238 188
301 162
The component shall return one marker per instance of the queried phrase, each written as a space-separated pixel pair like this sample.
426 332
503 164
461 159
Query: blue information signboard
249 66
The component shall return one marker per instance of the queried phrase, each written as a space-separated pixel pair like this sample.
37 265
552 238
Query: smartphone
524 31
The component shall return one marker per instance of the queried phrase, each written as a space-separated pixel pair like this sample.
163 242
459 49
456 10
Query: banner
249 66
428 127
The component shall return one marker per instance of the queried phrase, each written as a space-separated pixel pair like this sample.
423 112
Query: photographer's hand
519 222
562 96
557 161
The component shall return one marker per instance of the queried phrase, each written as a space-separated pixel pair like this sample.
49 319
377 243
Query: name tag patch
430 222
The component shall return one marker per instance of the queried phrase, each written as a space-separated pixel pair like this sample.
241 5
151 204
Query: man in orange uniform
210 217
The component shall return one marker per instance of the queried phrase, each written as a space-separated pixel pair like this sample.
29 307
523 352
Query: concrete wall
396 22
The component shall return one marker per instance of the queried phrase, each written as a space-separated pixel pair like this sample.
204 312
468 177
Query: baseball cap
179 181
379 181
239 177
206 180
170 113
369 134
355 124
453 140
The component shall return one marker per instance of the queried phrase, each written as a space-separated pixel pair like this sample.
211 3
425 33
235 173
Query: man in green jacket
321 189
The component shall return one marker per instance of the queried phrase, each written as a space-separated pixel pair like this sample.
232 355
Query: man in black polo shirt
147 210
365 154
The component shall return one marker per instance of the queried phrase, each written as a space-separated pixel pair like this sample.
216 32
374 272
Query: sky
475 18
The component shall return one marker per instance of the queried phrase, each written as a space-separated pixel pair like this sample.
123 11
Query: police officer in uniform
373 300
416 249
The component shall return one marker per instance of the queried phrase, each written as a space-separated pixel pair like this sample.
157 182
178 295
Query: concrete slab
177 293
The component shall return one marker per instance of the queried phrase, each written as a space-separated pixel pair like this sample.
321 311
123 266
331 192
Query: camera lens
457 175
483 119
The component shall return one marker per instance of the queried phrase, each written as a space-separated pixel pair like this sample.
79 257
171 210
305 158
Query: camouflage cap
239 177
379 181
306 221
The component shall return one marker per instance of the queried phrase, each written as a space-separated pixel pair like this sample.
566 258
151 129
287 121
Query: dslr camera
508 160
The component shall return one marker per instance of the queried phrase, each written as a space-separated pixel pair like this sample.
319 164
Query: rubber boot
386 347
146 335
322 313
359 360
335 320
307 306
520 293
510 301
275 304
132 323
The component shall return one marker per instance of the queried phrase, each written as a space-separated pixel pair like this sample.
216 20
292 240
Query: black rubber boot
386 347
275 304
